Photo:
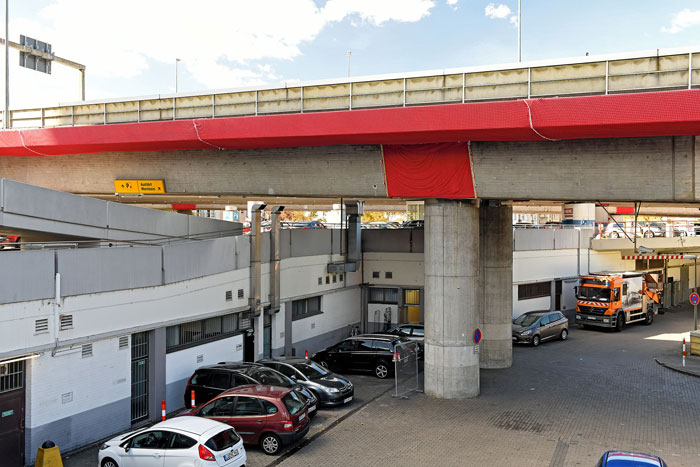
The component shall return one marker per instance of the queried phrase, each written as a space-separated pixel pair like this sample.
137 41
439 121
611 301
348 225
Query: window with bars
306 307
11 376
383 295
534 290
205 330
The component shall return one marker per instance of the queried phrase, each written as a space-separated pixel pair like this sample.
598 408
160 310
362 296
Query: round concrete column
496 260
451 298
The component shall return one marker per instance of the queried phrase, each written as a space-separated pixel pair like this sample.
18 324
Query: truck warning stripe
654 257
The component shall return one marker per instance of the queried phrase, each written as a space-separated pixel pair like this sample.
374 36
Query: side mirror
576 289
126 446
541 324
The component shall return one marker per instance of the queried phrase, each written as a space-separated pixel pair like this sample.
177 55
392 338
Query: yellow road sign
148 187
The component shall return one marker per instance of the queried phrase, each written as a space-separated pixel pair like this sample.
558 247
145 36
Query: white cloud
220 42
452 2
682 20
499 11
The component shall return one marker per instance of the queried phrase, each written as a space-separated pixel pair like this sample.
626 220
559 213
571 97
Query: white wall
299 276
91 382
340 309
406 268
375 313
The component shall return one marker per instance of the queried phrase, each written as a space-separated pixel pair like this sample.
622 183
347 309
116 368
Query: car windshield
311 370
594 293
293 403
270 377
526 319
223 440
632 462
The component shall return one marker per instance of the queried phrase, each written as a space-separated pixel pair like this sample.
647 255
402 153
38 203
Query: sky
130 46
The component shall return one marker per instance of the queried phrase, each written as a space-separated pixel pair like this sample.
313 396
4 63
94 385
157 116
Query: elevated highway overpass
468 141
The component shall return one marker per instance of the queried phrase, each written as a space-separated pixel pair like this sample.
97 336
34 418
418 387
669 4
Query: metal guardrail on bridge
640 72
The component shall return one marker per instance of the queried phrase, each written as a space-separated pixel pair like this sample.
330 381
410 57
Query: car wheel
381 370
536 341
614 235
270 443
620 324
564 334
649 318
109 463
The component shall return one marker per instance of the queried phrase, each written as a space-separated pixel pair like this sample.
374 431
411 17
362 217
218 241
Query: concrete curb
679 370
332 425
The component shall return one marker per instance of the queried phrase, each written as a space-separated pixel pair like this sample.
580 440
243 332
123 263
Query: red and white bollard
306 354
192 395
684 351
162 409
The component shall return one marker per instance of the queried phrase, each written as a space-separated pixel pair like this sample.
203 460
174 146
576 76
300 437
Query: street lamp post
349 53
177 60
6 114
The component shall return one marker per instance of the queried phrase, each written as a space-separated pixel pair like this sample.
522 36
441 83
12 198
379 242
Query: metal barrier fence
407 356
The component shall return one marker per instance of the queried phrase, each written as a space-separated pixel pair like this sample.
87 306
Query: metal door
139 376
267 335
12 414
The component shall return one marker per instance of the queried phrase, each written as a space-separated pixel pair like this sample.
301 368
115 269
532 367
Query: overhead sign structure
694 298
146 187
32 61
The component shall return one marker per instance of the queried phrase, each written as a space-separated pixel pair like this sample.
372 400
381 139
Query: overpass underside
652 169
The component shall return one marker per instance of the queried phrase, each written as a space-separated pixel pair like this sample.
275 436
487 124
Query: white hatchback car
179 442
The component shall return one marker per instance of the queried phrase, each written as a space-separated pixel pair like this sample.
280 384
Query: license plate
312 408
302 417
231 455
347 399
591 317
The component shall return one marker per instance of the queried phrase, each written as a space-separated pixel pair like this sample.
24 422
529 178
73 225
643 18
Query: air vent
229 295
320 281
41 325
240 293
388 275
66 322
87 350
200 358
375 274
124 342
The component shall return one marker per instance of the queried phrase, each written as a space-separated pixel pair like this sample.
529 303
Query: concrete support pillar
451 298
496 270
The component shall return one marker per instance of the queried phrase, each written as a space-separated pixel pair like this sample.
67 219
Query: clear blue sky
130 46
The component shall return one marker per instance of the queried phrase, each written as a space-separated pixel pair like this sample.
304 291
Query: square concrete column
451 298
496 264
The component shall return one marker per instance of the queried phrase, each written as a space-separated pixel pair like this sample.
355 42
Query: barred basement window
66 322
229 295
11 376
41 325
124 342
341 277
86 350
388 275
375 274
534 290
200 331
320 281
306 307
240 293
383 295
328 279
335 278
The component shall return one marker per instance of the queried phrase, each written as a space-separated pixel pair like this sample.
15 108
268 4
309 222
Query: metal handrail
179 105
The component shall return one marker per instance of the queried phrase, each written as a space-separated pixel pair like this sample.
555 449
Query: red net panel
429 170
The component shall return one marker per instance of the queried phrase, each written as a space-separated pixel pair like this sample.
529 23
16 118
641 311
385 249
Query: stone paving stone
562 404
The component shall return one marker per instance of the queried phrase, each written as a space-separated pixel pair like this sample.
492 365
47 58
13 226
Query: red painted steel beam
670 113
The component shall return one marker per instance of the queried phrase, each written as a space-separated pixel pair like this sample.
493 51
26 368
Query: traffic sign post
695 299
477 336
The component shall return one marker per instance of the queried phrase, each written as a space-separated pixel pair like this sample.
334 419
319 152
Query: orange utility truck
611 300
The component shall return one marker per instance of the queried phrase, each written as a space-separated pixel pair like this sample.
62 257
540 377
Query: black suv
366 352
330 389
210 381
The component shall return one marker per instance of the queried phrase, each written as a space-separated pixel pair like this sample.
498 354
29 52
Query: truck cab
612 300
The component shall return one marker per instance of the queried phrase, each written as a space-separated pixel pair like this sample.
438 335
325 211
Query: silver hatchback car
536 326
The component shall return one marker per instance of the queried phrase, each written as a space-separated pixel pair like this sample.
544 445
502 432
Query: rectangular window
11 376
204 330
534 290
383 295
306 307
411 297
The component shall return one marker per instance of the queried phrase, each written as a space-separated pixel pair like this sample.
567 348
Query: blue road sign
694 298
477 336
